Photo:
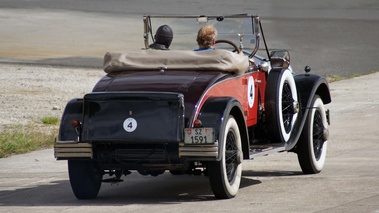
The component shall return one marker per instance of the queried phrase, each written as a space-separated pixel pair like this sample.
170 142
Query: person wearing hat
162 38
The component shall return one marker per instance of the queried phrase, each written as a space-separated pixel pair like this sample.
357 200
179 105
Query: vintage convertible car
188 112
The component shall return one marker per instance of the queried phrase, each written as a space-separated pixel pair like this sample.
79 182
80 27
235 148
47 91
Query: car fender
214 113
73 110
308 85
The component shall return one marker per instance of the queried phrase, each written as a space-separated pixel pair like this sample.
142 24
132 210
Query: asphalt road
335 38
338 38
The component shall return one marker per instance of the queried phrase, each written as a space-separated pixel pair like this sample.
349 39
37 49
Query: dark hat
164 35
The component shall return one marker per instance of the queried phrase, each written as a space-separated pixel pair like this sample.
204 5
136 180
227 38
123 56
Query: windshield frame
242 29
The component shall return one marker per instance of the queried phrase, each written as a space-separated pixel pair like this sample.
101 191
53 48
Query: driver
163 38
206 38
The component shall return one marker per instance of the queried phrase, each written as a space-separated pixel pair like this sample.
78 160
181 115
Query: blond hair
206 36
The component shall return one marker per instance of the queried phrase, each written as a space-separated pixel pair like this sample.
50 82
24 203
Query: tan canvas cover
218 60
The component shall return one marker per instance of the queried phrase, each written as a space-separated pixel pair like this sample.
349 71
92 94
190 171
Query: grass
50 120
334 78
19 139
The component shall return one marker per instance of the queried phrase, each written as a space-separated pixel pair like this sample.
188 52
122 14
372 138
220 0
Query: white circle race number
250 91
130 124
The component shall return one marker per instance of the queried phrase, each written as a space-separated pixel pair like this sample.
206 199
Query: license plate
199 136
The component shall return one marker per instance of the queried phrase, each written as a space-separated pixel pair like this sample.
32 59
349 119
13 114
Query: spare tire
281 105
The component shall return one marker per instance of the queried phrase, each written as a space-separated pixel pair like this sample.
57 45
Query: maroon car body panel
191 84
196 86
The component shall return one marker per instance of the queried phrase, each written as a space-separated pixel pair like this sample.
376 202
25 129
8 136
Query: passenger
162 39
206 38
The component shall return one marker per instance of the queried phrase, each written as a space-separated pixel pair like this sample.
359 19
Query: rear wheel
85 178
281 105
225 175
313 143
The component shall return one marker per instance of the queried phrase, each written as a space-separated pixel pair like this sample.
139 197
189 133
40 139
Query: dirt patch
30 92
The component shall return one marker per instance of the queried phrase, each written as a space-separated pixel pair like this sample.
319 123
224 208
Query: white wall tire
225 175
311 145
280 105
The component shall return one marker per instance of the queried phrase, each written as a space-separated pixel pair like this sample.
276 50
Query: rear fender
214 113
73 110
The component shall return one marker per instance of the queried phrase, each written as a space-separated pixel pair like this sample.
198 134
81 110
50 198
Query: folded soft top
217 60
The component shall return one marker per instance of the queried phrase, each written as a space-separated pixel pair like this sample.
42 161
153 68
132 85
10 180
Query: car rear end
127 129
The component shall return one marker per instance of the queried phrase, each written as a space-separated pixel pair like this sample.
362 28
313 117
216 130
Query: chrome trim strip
72 149
203 150
198 154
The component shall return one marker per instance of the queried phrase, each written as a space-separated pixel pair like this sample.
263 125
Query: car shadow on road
135 189
273 173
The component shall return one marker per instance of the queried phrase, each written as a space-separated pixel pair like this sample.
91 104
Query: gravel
30 92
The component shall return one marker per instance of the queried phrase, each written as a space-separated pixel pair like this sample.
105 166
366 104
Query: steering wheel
236 48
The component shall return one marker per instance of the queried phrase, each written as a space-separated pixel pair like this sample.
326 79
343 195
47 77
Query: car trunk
116 117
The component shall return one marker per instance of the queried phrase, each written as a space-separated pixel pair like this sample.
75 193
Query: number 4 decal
130 124
250 91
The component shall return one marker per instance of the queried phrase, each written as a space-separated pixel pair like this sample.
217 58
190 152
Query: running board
260 150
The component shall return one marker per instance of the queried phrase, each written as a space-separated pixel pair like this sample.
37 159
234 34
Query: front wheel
225 175
85 178
312 145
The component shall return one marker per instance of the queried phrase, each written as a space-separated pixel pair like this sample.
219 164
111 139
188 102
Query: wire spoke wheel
281 105
287 107
318 132
231 155
312 145
225 175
